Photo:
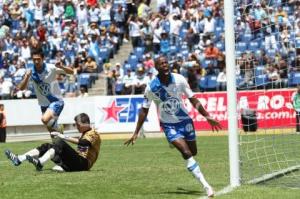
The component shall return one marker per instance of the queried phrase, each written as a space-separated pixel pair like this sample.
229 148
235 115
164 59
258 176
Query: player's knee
194 152
49 123
44 120
186 154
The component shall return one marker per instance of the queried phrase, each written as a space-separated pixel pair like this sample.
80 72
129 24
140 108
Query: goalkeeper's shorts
65 156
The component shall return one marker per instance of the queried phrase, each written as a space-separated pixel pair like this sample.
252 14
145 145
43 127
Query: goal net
268 72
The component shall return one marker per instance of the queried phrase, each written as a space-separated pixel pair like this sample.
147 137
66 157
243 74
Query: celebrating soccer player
43 76
166 90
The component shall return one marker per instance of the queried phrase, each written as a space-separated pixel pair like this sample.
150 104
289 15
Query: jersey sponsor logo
44 88
171 106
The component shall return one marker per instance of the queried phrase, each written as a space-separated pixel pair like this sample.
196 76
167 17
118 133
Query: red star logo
113 111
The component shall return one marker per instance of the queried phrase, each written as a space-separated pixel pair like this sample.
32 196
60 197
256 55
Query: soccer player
43 76
61 153
166 90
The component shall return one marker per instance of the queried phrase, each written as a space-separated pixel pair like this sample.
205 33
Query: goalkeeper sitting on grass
62 154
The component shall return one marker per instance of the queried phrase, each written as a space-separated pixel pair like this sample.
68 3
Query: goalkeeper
61 153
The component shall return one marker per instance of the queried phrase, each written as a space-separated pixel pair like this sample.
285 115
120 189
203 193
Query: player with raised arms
166 91
43 77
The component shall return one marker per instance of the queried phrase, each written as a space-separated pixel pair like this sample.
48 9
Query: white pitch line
221 192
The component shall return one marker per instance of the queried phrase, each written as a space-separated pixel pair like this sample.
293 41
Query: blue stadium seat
218 31
297 43
185 53
139 51
203 83
239 80
271 52
261 80
17 79
119 88
182 32
126 66
133 61
247 37
220 46
211 81
104 53
253 46
241 46
259 70
295 78
173 49
84 80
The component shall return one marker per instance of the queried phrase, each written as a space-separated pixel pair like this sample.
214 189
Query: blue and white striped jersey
168 99
45 85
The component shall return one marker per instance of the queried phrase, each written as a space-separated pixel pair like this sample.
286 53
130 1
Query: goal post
231 94
273 151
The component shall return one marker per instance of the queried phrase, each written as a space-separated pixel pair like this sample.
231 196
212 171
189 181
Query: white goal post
231 94
278 162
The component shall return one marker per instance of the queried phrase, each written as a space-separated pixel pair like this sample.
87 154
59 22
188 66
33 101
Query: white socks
32 153
194 168
47 156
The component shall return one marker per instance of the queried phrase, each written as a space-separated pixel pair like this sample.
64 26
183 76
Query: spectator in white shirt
128 81
38 12
221 80
94 13
139 84
105 15
58 9
209 26
6 88
25 50
119 70
82 18
134 31
175 26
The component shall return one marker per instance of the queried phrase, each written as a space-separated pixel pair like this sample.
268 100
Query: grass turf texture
150 169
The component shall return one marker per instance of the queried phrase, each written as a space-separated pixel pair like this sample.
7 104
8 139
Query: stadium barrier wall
118 114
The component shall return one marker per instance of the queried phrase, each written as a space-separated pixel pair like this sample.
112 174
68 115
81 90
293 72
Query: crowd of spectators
83 34
191 35
86 34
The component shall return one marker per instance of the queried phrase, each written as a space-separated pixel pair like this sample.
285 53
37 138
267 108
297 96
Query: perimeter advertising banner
273 108
116 114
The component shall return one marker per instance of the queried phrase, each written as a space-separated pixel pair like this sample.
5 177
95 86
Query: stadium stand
189 33
190 28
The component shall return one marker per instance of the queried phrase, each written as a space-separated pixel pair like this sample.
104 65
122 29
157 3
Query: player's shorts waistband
177 123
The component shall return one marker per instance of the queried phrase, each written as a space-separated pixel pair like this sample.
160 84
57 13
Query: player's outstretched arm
142 116
24 83
215 124
65 137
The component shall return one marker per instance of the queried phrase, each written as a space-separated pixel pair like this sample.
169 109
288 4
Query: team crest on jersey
44 88
171 106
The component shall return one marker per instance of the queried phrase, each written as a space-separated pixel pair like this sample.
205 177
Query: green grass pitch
150 169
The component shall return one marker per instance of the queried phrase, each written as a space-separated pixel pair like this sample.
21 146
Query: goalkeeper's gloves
58 134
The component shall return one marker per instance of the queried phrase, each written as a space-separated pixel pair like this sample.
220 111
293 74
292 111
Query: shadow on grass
183 191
